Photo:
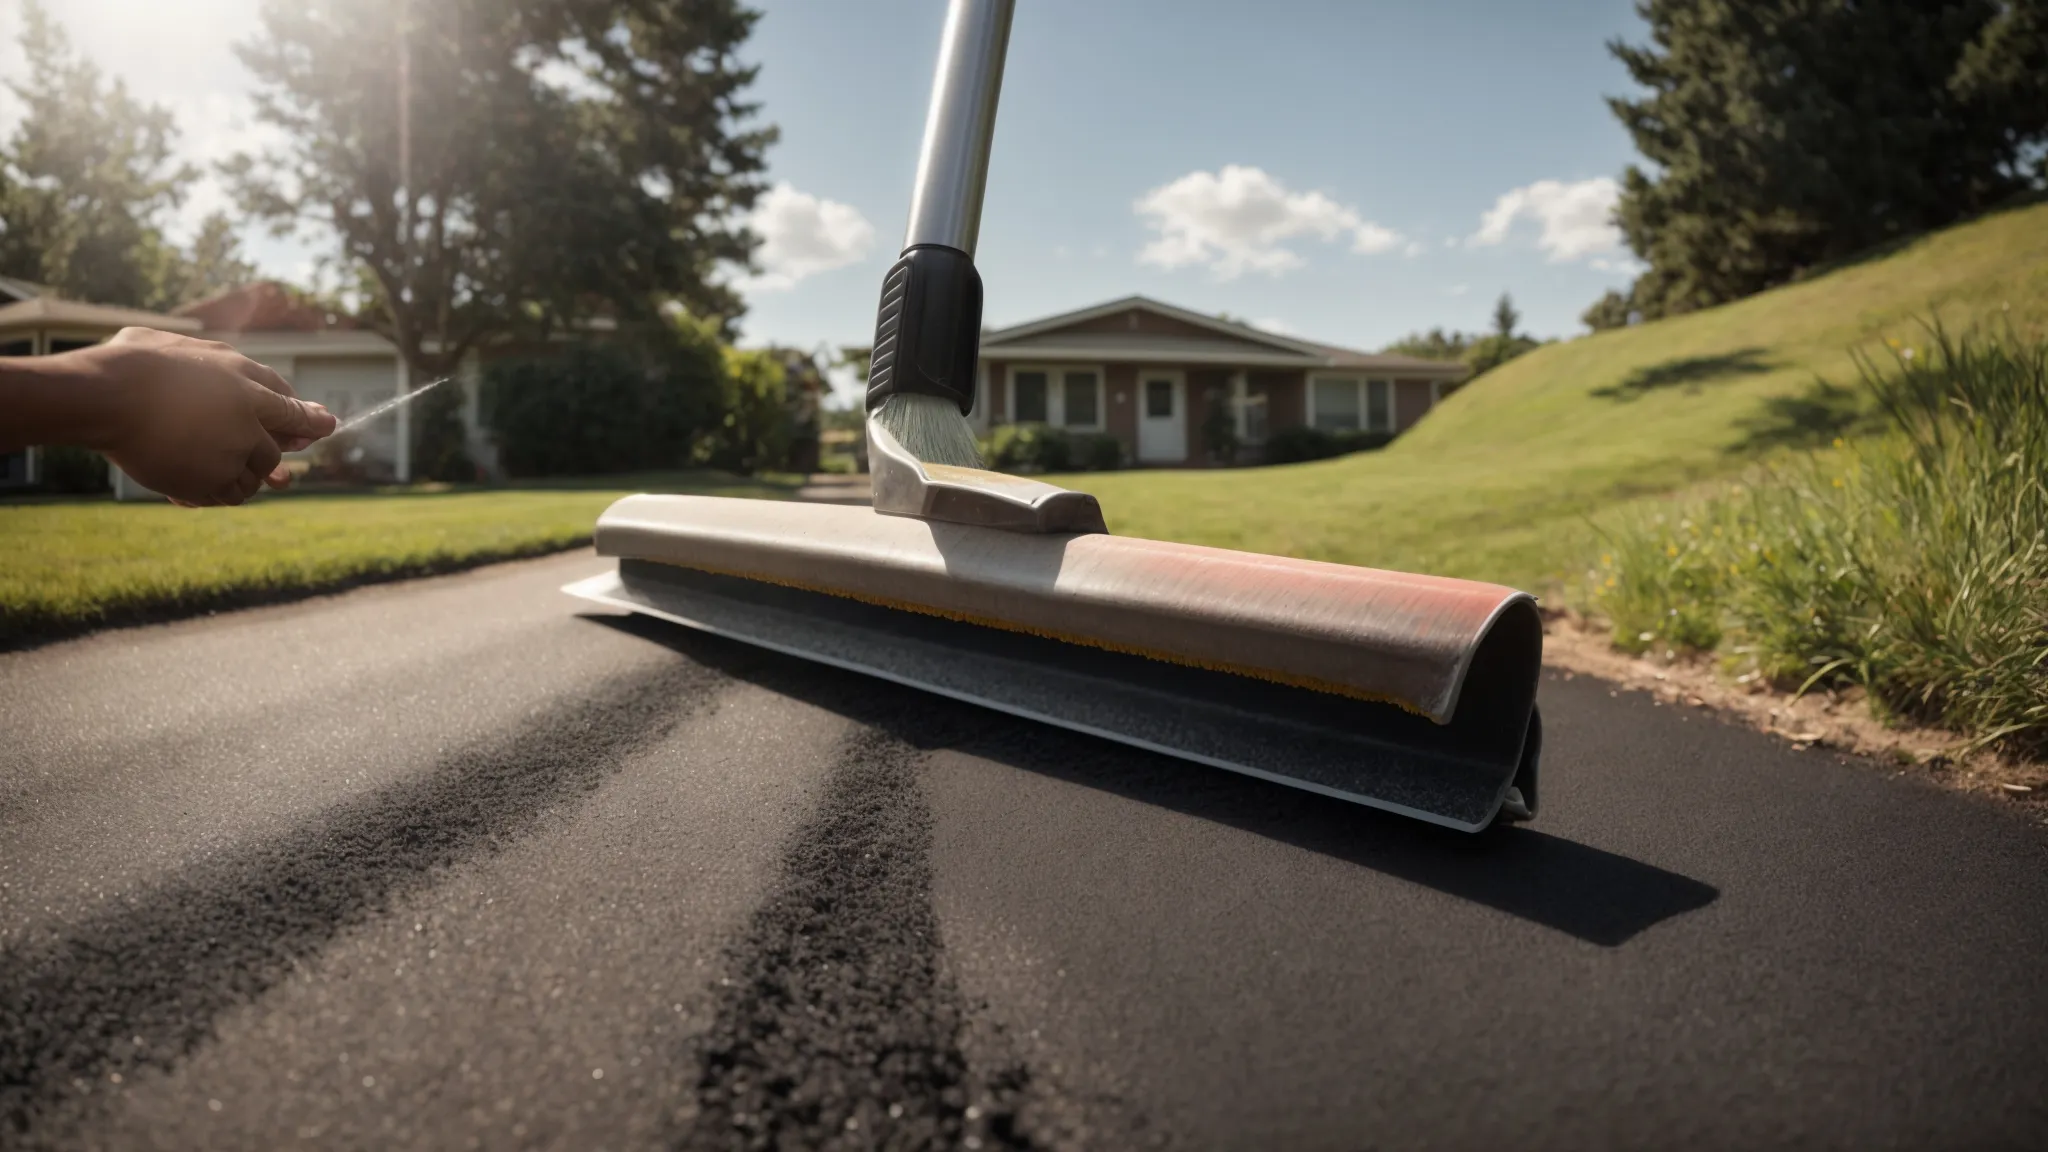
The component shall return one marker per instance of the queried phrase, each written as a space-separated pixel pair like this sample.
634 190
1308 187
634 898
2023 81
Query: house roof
1222 342
264 306
48 311
16 289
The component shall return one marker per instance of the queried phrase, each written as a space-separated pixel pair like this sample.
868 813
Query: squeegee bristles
930 428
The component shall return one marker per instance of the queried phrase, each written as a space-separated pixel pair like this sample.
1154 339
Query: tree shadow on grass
1806 420
1689 372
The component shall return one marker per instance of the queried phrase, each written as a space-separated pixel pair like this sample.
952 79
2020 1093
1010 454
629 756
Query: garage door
351 384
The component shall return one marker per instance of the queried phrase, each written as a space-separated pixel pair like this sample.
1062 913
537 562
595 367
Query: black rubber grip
928 328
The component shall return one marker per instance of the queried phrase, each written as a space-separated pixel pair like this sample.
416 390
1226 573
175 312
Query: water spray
363 418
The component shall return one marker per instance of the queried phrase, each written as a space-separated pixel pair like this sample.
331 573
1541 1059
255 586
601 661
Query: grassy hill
1498 482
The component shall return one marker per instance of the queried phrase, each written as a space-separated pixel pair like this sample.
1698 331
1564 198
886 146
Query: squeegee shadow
1602 897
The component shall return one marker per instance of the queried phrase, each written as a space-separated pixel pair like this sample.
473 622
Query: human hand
198 421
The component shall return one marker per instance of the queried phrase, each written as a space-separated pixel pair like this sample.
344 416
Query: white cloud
1239 219
1276 326
1576 219
1414 248
1457 289
803 235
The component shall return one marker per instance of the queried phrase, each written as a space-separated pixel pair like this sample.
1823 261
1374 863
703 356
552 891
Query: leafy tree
1435 344
84 179
856 358
1783 135
621 406
1611 310
213 265
511 168
753 436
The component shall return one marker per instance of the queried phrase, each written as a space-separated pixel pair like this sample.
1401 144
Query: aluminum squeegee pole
928 323
952 168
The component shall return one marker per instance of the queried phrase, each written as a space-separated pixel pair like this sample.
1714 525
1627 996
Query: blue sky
1349 171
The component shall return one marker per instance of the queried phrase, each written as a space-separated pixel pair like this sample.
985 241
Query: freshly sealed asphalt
458 864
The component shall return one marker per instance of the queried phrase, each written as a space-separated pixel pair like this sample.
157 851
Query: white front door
1162 418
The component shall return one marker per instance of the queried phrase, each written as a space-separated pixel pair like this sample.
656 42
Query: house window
1379 405
1028 398
1062 397
1349 404
1336 404
1159 399
1082 395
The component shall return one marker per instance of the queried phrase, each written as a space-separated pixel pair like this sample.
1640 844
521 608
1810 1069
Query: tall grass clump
1913 563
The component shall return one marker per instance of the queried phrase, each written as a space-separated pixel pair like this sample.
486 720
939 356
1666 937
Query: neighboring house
332 359
1149 374
35 322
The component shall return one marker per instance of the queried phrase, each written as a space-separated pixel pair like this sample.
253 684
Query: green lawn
70 564
1498 483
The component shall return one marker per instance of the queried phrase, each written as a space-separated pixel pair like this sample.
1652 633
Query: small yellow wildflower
1610 582
1838 441
1838 481
1607 559
1892 340
1671 549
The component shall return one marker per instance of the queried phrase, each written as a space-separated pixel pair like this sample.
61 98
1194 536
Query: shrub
76 471
1295 445
1914 565
1098 452
1041 448
1219 430
605 408
1027 448
439 448
752 432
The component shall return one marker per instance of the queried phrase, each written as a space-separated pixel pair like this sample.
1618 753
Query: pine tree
1505 317
1787 134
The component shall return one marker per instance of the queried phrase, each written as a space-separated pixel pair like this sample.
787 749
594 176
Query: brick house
1149 374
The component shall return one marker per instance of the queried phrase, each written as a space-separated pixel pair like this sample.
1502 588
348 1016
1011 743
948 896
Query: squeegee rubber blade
1453 775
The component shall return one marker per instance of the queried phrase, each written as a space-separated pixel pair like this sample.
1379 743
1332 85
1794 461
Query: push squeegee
1415 694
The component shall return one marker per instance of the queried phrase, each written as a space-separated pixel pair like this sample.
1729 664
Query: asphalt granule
836 1025
139 987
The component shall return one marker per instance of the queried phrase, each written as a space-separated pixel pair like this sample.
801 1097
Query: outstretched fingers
292 422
